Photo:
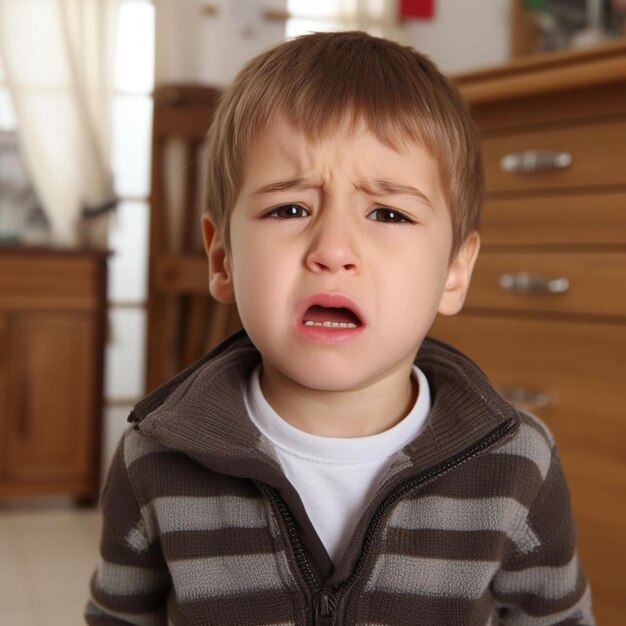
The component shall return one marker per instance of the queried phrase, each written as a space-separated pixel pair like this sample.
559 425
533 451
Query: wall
464 35
192 47
210 49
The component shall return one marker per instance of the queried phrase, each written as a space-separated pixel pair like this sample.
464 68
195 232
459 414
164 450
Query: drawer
596 152
573 374
50 282
581 283
564 219
575 371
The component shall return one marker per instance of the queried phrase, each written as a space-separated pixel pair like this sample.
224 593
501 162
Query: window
128 235
7 116
377 17
311 16
19 207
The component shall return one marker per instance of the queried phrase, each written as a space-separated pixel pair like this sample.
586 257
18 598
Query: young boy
312 469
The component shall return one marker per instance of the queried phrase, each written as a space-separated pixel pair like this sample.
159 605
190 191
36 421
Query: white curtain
59 57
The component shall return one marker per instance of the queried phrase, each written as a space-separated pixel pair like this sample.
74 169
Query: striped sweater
471 525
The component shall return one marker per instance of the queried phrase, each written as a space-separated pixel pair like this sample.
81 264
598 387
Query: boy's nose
333 248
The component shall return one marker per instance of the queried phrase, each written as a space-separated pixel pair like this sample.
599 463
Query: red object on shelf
423 9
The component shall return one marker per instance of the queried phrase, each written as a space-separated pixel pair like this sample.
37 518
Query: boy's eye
389 215
288 211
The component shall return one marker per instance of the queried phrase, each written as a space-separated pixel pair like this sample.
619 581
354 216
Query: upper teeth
330 324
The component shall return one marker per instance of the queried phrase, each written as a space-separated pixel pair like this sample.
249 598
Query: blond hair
320 81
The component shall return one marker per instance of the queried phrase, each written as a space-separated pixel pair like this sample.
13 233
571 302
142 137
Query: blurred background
103 109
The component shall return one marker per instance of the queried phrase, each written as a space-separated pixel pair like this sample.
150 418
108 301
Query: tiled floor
47 556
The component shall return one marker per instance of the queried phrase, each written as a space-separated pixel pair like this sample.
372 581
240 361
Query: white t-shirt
335 477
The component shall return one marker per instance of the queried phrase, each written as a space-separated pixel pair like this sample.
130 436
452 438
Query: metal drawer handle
529 161
523 282
525 397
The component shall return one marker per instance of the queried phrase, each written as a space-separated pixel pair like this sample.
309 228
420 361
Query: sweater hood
201 412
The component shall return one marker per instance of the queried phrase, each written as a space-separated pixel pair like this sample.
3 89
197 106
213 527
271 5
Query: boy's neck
354 413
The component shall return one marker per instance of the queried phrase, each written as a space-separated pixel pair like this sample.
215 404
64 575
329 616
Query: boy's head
321 81
344 184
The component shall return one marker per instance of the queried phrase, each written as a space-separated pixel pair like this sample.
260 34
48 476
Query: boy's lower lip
327 333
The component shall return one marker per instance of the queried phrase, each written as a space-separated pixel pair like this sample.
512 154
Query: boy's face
339 257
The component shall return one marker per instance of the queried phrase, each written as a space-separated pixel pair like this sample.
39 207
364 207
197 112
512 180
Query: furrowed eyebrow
282 185
383 187
376 187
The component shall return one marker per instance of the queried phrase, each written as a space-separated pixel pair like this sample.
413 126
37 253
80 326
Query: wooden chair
183 320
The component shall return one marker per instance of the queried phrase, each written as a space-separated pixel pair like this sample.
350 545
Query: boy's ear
220 265
459 276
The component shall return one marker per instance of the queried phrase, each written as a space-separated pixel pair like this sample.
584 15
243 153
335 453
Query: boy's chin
326 381
318 379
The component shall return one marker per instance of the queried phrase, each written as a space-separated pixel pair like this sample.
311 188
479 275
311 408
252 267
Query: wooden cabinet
545 317
52 312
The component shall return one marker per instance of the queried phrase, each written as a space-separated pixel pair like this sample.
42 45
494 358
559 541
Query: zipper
324 607
325 602
304 565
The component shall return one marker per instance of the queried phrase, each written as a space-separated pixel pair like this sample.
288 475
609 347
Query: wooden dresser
546 314
52 320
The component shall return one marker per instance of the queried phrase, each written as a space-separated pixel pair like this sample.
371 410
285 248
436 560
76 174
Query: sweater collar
201 412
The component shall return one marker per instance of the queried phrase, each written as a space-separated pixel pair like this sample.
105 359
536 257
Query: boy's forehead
282 139
387 129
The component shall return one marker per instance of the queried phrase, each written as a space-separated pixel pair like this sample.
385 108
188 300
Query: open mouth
331 317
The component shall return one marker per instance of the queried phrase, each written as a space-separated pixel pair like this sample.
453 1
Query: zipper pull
325 609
